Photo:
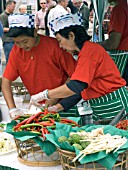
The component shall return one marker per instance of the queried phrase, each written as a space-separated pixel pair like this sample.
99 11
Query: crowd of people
42 17
47 66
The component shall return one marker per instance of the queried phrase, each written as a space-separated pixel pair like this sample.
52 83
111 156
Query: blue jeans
7 48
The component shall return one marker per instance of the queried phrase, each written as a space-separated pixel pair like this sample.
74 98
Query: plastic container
85 112
5 110
73 112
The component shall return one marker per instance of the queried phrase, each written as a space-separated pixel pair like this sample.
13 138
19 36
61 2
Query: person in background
106 21
72 7
37 59
23 9
85 3
91 6
1 46
118 32
51 3
84 11
7 41
46 20
99 82
96 34
40 18
60 9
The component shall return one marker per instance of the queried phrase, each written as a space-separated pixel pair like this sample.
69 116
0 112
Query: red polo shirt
46 66
96 68
119 23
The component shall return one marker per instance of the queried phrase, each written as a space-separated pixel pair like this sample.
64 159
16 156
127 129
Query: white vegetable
100 142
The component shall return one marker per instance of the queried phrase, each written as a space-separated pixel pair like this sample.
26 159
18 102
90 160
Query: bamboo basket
66 158
30 154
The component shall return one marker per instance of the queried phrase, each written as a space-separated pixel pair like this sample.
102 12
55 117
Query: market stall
34 156
86 147
52 140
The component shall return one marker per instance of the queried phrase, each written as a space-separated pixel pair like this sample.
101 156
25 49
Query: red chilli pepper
46 111
69 121
123 124
33 117
43 133
36 120
17 117
51 120
20 124
46 123
46 131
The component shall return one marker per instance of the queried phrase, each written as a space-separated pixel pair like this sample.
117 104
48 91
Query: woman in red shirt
96 76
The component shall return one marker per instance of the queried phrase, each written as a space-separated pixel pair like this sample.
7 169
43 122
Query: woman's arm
64 91
112 42
66 104
69 102
71 88
60 92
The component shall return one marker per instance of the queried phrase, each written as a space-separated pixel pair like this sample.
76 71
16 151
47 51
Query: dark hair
46 19
10 2
80 34
18 31
74 9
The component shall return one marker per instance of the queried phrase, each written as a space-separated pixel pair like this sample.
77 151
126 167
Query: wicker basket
30 154
66 158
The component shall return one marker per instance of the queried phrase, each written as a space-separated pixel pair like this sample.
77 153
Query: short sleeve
117 21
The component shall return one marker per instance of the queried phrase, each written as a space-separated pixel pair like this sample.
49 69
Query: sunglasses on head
43 3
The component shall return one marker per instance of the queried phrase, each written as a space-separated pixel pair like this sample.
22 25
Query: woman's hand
51 102
56 108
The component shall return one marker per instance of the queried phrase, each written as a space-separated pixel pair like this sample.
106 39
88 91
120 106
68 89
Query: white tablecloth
11 161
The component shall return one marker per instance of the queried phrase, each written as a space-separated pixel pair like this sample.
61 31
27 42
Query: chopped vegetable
40 123
78 146
84 144
123 124
62 139
98 141
70 141
75 138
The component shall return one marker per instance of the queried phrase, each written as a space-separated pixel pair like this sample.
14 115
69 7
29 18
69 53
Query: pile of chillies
40 122
123 124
